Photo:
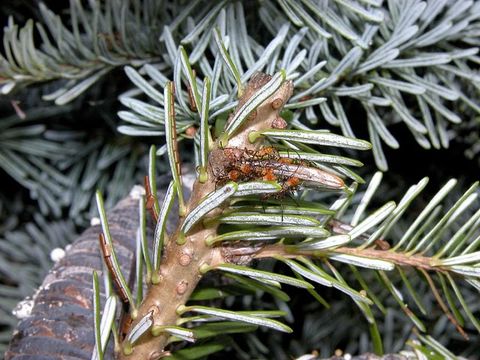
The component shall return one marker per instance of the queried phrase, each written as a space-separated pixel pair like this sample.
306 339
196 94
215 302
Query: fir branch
227 156
407 62
100 38
184 258
417 40
61 168
412 60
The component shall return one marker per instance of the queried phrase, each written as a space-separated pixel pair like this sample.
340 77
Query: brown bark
60 325
400 259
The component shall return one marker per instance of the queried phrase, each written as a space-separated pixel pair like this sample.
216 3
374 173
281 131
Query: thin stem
400 259
442 304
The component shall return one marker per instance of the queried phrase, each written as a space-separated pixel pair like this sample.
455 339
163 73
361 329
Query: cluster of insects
241 165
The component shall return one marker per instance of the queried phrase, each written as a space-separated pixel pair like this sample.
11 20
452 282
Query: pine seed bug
266 153
240 252
246 169
233 164
268 174
292 182
234 175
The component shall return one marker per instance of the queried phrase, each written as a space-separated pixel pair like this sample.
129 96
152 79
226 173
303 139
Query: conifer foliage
300 234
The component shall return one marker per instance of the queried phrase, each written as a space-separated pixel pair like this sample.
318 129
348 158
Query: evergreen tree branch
186 253
100 38
408 62
237 156
409 69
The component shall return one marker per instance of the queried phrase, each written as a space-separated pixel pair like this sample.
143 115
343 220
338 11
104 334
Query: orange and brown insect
234 175
233 164
266 153
292 182
246 168
268 174
286 160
